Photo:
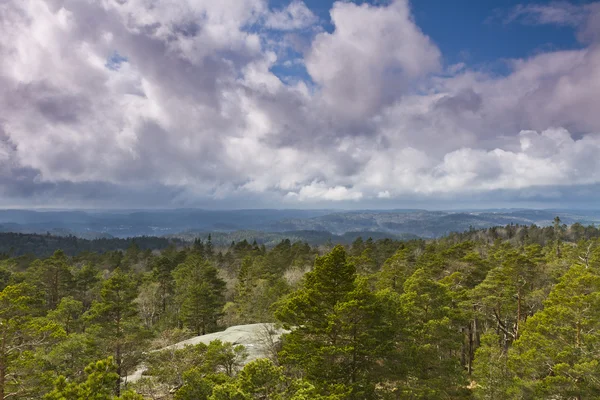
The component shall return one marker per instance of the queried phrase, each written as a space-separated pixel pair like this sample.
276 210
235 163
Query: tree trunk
472 327
119 362
518 313
3 366
2 379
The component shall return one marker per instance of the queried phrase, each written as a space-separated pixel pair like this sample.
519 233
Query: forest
508 312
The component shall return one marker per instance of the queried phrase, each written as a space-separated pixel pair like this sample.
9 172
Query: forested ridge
28 244
503 313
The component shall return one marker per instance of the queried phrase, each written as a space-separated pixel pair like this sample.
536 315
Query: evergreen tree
336 327
101 379
491 374
432 341
201 294
86 279
557 354
209 251
53 277
67 314
395 271
21 333
117 322
163 269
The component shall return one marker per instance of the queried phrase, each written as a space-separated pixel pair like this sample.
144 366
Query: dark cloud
466 100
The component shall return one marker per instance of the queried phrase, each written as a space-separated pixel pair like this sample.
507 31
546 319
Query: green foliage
52 277
199 385
116 322
557 353
337 328
18 244
395 271
67 314
492 376
195 369
21 335
101 378
432 323
200 293
262 379
508 312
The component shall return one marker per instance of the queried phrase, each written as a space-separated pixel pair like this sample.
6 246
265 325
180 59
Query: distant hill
429 224
18 244
274 224
124 224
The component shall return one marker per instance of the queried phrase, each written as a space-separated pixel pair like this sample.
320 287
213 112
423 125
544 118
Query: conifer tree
336 327
53 277
432 340
557 354
22 331
117 322
201 294
99 384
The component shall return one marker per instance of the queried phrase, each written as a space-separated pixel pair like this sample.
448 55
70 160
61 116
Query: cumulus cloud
374 55
175 102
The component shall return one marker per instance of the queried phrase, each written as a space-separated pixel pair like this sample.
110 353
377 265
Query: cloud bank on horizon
179 103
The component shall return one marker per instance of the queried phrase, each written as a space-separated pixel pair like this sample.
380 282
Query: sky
299 104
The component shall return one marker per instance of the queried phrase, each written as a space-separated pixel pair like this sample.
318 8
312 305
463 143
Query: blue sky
474 32
299 104
480 31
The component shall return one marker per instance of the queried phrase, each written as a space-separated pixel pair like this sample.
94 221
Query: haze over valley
271 225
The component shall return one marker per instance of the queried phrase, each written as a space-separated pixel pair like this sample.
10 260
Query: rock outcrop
258 339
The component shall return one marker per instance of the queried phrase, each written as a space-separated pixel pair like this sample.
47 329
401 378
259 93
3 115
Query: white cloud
371 59
196 112
556 13
295 16
320 191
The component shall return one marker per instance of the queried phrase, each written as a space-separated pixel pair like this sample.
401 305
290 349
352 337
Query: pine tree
504 295
201 294
117 322
21 333
67 314
86 284
102 376
53 277
557 354
491 374
395 271
432 340
163 269
209 251
337 329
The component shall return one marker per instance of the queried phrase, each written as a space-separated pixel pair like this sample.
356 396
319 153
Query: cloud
295 16
175 102
374 55
583 17
320 191
555 13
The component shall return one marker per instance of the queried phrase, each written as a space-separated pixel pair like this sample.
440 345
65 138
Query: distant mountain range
430 224
271 225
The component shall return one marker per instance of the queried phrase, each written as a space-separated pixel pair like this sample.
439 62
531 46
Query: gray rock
258 339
